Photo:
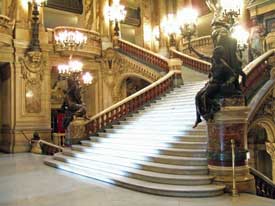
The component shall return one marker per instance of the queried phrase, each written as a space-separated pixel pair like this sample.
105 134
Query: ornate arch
268 124
117 92
117 67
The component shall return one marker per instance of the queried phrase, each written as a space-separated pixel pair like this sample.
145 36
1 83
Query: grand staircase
154 150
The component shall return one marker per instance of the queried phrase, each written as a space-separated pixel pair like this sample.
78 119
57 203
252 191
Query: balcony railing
93 46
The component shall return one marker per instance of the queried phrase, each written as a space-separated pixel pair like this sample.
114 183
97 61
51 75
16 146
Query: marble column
230 123
270 148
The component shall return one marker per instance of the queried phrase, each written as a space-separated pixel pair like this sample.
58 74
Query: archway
260 132
128 84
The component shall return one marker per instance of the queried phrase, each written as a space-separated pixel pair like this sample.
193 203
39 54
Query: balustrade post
175 65
230 123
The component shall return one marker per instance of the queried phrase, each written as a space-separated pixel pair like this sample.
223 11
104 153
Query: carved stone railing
258 72
93 46
264 186
130 104
191 62
198 42
5 31
145 56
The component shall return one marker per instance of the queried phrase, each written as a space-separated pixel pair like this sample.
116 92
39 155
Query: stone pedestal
76 131
175 65
230 123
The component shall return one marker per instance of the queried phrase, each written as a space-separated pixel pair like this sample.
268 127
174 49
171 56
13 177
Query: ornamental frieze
32 70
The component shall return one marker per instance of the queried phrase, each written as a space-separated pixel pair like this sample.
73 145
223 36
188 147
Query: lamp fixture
171 28
115 13
35 43
230 10
188 17
70 39
241 35
74 69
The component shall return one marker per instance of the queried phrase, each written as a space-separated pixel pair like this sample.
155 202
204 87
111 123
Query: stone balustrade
92 47
191 62
5 31
145 56
131 103
198 42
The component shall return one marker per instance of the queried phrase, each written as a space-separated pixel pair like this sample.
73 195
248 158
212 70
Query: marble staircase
154 150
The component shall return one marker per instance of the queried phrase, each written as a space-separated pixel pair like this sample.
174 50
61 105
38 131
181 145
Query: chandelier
70 39
74 69
230 10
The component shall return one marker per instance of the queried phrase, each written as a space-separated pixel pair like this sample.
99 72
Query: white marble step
137 173
161 123
150 136
161 155
162 118
157 129
155 148
114 142
154 137
143 186
145 164
170 132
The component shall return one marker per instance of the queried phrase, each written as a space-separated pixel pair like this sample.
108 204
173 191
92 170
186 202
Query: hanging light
70 39
75 66
87 78
63 69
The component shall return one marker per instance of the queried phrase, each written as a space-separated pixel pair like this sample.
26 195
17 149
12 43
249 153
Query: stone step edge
120 160
96 165
153 188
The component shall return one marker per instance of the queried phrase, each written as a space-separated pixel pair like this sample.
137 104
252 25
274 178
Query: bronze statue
221 84
72 104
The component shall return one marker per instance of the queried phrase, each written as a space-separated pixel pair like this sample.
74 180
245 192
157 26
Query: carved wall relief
32 69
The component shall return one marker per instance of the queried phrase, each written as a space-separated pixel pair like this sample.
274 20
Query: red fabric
60 128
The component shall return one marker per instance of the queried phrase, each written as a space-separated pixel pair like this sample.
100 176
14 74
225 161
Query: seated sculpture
221 84
72 104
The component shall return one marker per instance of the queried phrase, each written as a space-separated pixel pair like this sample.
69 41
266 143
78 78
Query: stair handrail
264 186
191 62
255 69
130 104
200 41
144 55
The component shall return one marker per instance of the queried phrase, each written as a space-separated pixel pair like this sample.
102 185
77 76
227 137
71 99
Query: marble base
244 180
230 123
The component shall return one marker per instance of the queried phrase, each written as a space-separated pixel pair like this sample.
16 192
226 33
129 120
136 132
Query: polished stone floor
26 181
